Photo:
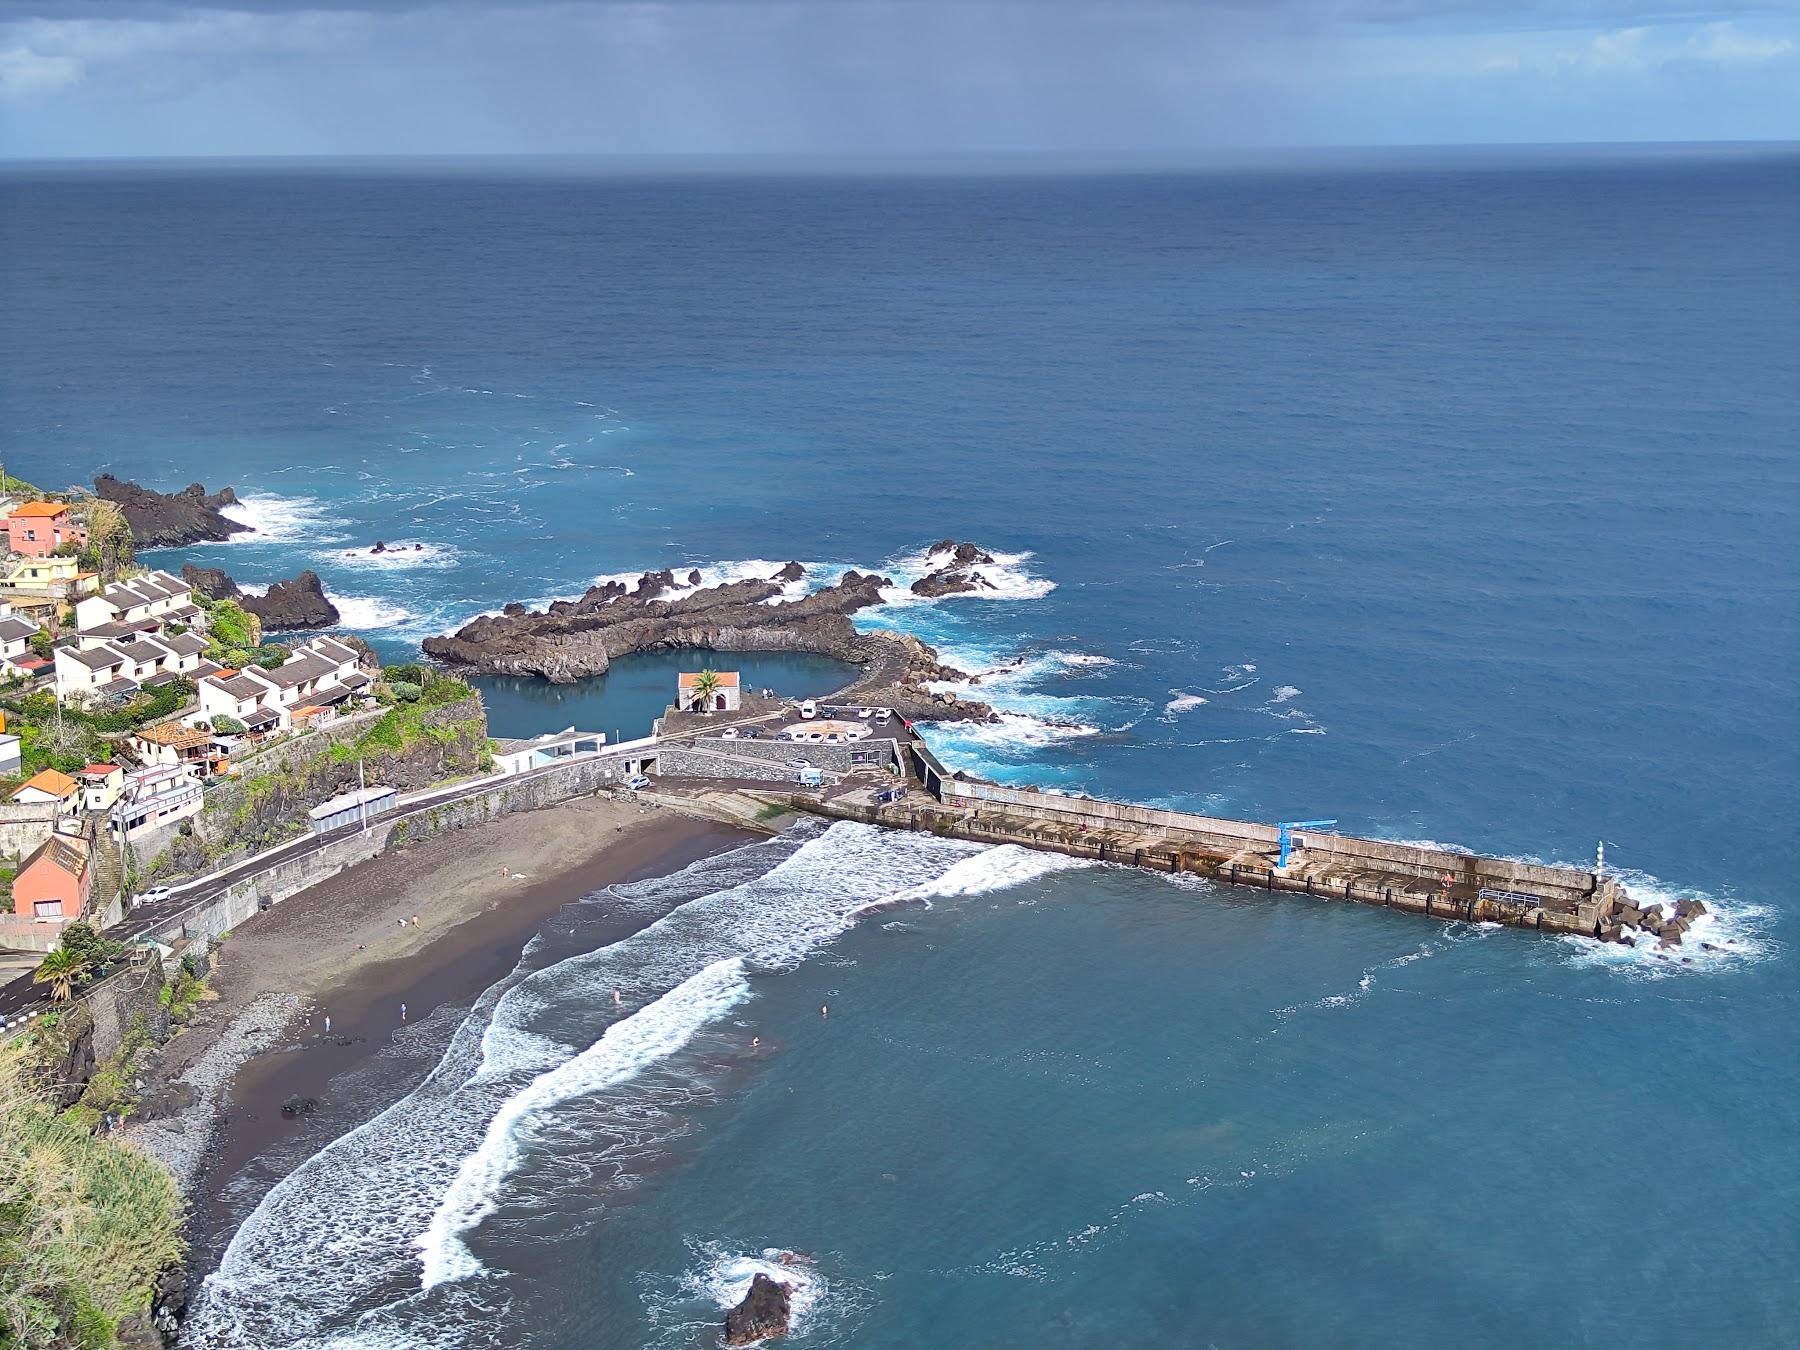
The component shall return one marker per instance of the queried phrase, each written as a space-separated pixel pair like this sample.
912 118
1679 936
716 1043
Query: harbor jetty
883 773
861 757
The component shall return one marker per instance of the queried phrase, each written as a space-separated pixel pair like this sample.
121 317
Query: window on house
47 909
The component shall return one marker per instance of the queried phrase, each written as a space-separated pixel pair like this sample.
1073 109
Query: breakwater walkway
1432 882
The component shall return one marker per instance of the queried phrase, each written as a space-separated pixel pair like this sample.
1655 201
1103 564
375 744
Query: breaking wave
390 1212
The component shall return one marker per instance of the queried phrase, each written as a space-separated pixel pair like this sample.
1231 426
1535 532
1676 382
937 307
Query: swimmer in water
617 1000
824 1010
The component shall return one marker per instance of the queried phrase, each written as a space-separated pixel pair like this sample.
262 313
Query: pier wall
1559 884
1144 844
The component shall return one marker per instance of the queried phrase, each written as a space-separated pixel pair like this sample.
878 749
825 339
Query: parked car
729 734
154 896
882 714
751 734
637 782
799 764
893 794
866 713
809 710
834 738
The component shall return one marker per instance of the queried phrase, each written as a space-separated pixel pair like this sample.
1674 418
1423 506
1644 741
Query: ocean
1456 499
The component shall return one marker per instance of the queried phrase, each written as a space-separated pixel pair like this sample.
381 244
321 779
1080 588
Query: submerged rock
762 1316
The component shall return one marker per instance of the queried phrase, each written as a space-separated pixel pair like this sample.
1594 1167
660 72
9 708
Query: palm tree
62 969
706 684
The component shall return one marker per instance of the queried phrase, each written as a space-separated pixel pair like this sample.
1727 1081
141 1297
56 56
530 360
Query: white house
102 785
155 797
82 676
85 673
15 638
157 597
240 697
321 674
725 695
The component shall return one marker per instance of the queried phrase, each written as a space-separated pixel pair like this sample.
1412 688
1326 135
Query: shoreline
340 949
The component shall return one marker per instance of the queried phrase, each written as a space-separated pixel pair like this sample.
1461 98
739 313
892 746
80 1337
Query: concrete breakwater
1424 881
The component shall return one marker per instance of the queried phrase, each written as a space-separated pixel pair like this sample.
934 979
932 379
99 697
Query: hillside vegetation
87 1224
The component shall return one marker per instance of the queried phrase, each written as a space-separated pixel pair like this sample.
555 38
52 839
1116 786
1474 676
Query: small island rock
762 1316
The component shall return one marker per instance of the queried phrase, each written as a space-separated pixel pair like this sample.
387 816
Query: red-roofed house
38 529
53 883
725 694
101 786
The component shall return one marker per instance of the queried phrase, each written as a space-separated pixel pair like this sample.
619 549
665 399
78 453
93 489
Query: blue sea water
1457 500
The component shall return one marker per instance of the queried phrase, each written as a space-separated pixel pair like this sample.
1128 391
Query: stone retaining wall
231 907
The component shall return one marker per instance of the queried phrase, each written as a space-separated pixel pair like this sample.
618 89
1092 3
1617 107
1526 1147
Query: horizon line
914 161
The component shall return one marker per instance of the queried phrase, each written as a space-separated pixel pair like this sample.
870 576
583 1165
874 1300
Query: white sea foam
1732 933
1008 577
623 1051
1284 692
363 1202
994 869
1182 701
276 519
369 613
402 555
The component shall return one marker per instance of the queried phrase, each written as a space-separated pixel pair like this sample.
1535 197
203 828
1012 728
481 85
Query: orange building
53 883
38 529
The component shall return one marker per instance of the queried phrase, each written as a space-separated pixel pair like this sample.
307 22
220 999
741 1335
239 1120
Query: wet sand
340 949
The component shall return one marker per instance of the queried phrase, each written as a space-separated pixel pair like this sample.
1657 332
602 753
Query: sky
875 78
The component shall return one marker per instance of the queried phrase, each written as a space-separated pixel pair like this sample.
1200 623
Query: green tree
85 941
110 547
227 725
706 684
62 970
234 631
40 643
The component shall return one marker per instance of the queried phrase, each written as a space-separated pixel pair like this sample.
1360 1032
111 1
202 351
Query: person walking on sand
327 1024
402 1012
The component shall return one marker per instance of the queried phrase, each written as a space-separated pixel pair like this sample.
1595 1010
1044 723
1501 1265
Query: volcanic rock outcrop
763 1314
171 519
953 570
287 606
577 638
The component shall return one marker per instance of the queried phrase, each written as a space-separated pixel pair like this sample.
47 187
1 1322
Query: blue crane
1286 839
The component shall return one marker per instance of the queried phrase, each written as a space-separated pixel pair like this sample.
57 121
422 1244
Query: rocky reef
287 606
171 519
957 570
573 639
763 1314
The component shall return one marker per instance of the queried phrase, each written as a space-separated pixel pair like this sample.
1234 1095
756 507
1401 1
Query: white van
809 709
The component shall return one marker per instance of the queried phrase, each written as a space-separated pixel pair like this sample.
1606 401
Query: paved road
21 995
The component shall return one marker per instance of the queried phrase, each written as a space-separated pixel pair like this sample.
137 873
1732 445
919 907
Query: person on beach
327 1024
402 1012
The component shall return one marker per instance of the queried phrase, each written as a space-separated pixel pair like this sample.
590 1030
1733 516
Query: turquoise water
1454 501
635 691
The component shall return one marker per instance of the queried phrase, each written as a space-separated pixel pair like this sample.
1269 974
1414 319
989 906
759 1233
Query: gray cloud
1532 13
